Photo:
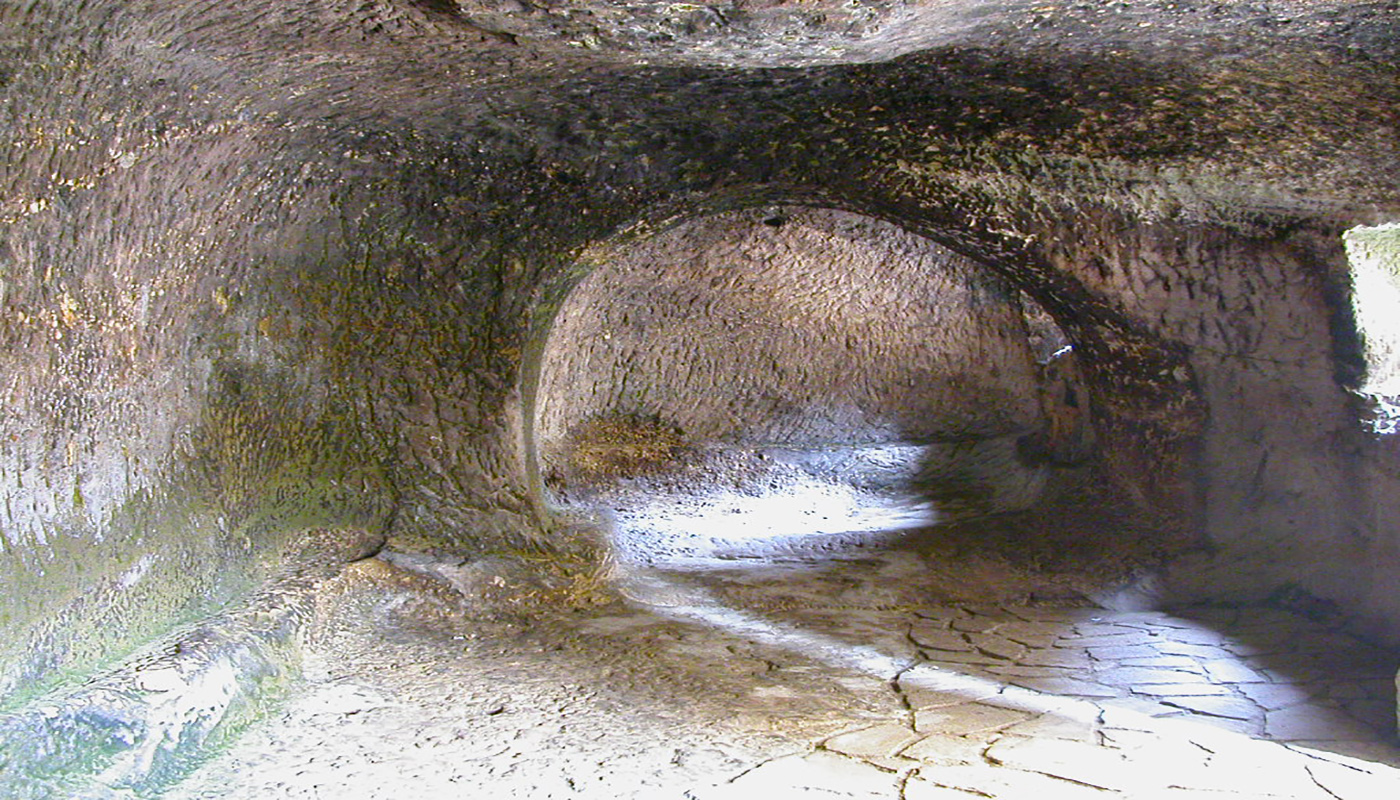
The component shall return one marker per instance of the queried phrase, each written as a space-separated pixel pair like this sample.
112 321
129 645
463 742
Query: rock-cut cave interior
889 399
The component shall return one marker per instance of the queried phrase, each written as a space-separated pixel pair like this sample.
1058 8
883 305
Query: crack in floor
691 689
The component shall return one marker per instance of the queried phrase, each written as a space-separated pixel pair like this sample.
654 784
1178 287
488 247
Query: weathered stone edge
145 723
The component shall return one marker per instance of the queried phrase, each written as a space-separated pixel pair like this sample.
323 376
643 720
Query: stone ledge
146 722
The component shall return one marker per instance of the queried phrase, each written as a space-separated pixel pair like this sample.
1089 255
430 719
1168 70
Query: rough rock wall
195 297
283 259
1290 477
168 425
792 327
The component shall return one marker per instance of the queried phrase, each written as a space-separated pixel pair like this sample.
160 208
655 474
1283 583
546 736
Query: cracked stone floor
812 677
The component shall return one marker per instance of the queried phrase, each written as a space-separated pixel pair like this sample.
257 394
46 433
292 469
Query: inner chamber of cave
389 412
802 384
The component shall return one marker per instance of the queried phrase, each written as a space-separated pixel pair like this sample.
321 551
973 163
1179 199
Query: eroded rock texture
809 328
269 266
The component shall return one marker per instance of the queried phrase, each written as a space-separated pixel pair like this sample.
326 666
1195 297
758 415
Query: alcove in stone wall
803 328
803 371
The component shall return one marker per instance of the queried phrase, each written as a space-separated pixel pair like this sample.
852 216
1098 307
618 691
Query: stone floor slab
1345 782
972 657
1076 762
1055 726
979 623
1001 782
967 718
1116 639
1017 671
1159 661
1274 696
947 749
1031 634
1116 653
1135 676
1136 708
823 707
813 775
1249 781
1071 687
1229 707
919 789
1152 745
940 639
1371 757
998 646
879 741
1054 657
1066 617
1310 723
1183 690
1224 670
1197 651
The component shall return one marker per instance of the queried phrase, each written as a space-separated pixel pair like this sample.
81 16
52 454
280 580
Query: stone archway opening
804 384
